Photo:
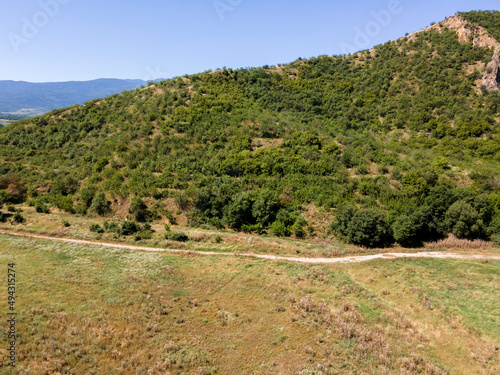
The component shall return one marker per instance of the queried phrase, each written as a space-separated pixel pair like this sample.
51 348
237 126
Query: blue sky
62 40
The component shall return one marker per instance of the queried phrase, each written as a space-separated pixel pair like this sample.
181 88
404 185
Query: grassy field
93 310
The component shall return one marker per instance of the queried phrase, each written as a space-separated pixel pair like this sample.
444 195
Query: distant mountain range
27 98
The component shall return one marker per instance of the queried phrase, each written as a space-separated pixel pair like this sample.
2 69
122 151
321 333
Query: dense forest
401 143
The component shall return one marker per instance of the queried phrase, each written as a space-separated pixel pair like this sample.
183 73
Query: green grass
87 309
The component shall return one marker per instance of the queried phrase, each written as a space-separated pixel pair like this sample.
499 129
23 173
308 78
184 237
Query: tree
239 211
463 221
369 228
265 207
138 209
342 219
100 205
129 228
405 232
87 195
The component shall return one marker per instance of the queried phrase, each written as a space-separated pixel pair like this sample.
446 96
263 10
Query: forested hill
400 142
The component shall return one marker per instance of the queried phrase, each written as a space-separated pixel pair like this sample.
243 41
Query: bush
253 228
177 236
342 219
369 228
265 207
100 205
18 218
96 228
129 228
87 195
111 227
463 221
138 209
298 231
144 235
238 212
42 208
405 232
81 209
278 228
218 239
65 203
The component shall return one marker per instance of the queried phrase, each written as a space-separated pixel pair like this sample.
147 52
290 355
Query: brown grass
452 242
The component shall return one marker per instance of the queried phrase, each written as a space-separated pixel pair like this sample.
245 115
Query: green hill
401 142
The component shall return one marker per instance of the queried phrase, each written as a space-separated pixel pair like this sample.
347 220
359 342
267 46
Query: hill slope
38 98
402 141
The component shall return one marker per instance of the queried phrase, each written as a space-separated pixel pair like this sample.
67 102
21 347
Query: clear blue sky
61 40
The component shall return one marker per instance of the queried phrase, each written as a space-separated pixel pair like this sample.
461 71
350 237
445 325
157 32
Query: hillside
27 98
396 144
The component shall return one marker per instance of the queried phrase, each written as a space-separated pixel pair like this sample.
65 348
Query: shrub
65 223
81 209
111 227
138 209
218 239
365 228
238 212
65 203
144 235
342 219
171 218
129 228
87 195
42 208
265 207
167 227
256 228
177 236
298 231
405 231
18 218
463 221
100 205
182 200
96 228
278 228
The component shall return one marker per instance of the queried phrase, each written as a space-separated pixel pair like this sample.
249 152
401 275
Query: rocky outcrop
491 76
480 38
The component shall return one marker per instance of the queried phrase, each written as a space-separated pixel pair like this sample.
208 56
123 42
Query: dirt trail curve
349 259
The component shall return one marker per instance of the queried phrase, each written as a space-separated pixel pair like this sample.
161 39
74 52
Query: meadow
95 310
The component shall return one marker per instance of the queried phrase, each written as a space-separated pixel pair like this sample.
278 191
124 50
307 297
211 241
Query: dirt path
349 259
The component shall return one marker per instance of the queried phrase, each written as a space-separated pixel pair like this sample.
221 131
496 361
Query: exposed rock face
480 38
491 76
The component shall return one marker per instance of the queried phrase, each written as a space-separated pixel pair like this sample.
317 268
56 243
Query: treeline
378 131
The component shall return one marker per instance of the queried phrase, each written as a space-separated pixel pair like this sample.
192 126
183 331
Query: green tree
463 221
239 211
369 228
100 205
342 219
138 209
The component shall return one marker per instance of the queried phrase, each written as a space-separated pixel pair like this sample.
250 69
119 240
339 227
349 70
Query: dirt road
349 259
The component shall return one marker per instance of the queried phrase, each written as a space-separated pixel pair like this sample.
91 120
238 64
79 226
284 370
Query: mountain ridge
35 98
